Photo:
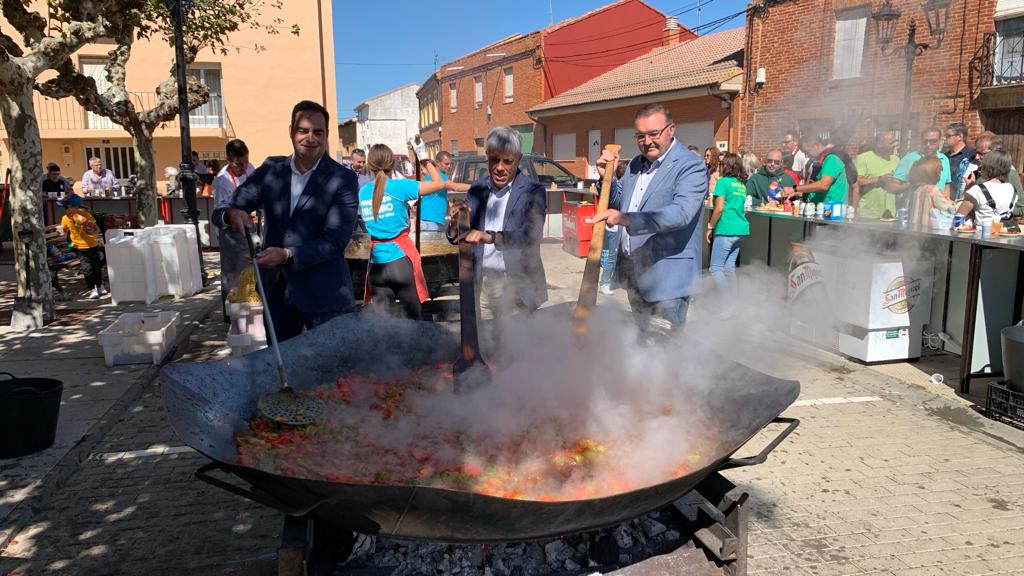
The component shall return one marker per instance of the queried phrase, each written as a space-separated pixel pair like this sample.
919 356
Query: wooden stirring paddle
469 369
592 270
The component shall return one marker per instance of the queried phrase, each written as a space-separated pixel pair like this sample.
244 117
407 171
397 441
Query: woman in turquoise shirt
394 272
728 223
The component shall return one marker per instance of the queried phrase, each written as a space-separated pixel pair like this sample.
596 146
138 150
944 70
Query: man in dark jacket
771 172
507 211
309 203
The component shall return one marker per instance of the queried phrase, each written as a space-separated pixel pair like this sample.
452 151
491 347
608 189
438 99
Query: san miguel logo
901 294
804 275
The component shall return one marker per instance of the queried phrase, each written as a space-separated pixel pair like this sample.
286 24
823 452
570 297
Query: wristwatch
494 236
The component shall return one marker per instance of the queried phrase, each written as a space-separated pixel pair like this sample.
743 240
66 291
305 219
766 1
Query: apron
408 247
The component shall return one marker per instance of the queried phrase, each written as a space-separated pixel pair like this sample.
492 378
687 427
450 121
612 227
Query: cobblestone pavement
883 477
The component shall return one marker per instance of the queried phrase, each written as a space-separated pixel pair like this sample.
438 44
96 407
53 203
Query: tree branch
30 25
167 101
53 50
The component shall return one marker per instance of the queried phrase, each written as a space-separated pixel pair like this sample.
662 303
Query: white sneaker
103 290
93 294
606 289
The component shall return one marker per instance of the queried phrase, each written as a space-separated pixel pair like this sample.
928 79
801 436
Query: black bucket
28 414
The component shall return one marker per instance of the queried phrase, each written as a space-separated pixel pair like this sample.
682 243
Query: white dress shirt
639 191
299 180
224 184
494 220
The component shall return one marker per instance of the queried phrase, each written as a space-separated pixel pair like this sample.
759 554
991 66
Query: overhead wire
659 20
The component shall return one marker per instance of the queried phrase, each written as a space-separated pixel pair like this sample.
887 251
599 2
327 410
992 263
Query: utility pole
551 19
186 174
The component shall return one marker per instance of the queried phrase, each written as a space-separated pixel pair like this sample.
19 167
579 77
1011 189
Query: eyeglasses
771 161
653 134
951 135
932 141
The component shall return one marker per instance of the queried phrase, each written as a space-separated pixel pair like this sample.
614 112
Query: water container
1012 339
171 261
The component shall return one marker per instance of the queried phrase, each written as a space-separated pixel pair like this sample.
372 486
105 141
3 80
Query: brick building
823 68
997 77
696 79
498 84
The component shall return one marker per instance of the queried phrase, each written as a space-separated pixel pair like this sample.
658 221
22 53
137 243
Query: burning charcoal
534 557
623 537
556 552
604 549
652 527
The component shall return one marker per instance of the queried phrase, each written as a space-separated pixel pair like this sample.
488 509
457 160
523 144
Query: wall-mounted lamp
759 79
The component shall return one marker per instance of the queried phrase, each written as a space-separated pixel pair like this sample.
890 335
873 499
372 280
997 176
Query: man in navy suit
660 209
309 204
507 211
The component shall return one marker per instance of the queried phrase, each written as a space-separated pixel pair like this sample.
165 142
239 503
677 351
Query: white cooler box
880 304
140 338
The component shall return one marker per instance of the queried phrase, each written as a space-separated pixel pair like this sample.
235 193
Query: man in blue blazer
660 209
309 204
506 210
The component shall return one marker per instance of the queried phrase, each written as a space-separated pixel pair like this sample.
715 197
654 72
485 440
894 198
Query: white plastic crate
140 338
190 269
171 261
130 266
247 319
242 343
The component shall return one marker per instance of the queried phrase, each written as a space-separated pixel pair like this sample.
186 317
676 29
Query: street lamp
937 15
186 173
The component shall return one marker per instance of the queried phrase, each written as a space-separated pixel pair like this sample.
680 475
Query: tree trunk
33 307
145 191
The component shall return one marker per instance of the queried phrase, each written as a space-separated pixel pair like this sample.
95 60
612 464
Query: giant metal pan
208 403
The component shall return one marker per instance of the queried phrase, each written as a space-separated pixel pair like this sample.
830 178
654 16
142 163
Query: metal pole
908 81
187 174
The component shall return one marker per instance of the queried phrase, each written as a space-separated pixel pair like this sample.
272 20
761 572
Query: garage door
699 134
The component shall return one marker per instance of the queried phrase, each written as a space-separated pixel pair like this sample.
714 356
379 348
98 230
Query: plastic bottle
748 203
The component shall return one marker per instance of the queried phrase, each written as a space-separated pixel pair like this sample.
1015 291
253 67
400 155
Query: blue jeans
609 253
653 318
724 251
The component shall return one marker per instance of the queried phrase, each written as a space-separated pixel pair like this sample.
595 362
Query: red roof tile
699 62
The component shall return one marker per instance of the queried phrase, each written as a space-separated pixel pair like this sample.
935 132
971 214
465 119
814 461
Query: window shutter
848 51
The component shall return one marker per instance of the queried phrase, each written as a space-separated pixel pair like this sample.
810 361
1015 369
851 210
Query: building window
564 147
508 84
454 148
478 90
211 114
95 69
453 97
479 143
626 137
120 159
1009 60
848 52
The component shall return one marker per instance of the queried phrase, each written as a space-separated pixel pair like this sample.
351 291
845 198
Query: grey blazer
667 230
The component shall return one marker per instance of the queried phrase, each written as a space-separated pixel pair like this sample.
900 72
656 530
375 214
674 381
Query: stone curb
57 477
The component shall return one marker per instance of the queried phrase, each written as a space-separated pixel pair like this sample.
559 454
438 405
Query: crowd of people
311 205
876 183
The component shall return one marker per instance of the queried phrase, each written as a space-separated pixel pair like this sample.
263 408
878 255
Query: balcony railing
999 61
67 114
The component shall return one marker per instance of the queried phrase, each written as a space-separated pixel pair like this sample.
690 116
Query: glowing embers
386 431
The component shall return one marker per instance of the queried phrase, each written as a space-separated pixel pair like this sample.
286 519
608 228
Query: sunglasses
932 141
771 161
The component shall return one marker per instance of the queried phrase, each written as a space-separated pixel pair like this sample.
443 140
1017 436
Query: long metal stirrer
285 405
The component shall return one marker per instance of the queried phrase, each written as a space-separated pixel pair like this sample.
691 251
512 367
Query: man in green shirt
899 182
872 167
771 172
831 183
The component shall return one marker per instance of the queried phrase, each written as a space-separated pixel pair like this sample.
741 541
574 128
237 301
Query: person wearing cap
79 224
53 182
